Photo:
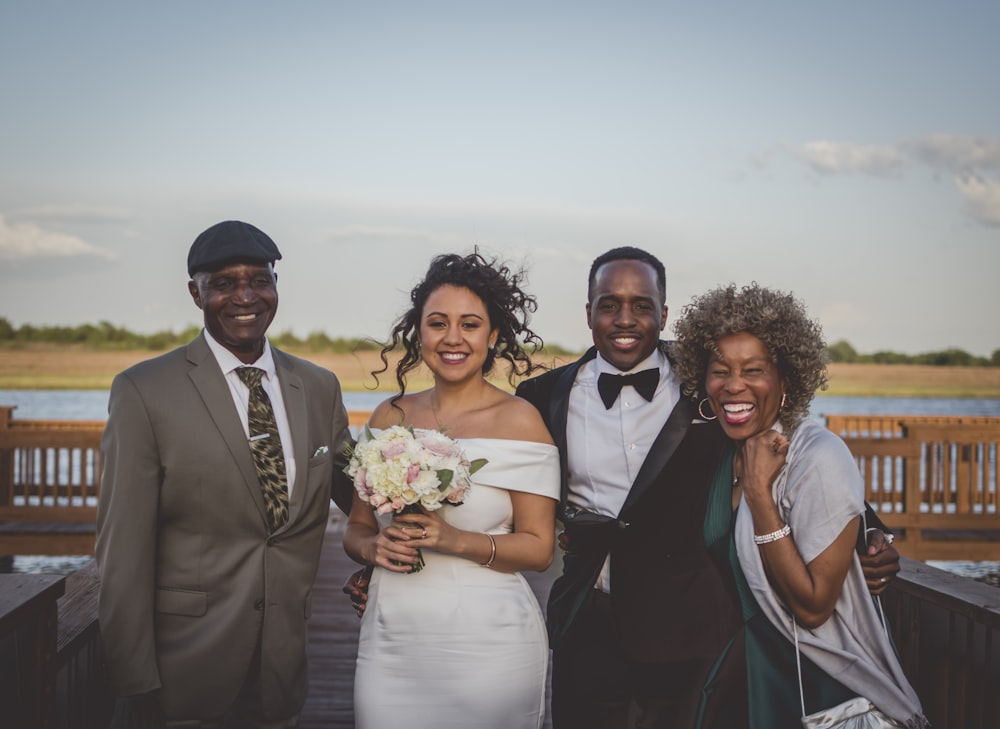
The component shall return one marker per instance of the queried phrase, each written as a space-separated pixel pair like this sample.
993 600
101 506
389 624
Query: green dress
769 687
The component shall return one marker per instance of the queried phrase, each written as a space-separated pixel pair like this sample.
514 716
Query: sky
847 152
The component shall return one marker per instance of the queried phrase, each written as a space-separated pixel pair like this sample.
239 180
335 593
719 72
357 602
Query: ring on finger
423 533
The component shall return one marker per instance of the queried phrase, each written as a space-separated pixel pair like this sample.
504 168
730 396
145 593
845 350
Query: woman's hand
395 548
763 457
427 530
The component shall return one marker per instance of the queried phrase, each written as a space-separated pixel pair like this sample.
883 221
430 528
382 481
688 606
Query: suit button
259 605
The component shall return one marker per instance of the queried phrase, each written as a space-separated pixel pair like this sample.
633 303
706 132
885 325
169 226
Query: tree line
842 351
107 336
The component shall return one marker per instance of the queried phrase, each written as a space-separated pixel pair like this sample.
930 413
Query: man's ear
663 319
589 325
195 293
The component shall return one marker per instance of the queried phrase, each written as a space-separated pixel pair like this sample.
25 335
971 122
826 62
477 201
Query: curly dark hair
509 309
794 341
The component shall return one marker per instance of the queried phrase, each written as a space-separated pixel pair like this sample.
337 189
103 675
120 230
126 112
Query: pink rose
437 444
359 479
394 448
412 472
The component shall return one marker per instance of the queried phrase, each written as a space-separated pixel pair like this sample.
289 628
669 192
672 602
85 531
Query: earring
782 405
701 412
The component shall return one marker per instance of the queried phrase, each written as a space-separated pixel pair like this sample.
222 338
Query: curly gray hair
794 341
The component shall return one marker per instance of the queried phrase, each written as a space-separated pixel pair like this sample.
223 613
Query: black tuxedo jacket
670 602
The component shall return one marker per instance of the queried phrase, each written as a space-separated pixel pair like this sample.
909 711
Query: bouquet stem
400 522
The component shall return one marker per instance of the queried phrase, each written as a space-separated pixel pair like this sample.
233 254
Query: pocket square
320 451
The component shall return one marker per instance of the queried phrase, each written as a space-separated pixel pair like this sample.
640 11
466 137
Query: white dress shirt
229 362
606 447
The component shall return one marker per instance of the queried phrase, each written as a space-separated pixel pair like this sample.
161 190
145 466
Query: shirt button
631 446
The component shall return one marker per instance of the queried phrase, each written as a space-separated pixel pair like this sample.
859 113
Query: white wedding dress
456 644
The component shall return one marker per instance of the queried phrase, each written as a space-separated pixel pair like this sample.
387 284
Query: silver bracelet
493 551
773 536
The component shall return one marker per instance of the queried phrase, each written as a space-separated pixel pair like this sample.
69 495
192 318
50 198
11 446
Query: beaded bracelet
493 551
772 536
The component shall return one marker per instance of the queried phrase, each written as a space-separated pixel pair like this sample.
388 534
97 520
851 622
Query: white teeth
737 407
245 317
626 340
452 356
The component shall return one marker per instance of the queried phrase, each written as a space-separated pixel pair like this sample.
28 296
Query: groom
639 612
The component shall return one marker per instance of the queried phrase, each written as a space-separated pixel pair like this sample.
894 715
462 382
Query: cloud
74 213
961 155
20 241
838 158
982 199
973 163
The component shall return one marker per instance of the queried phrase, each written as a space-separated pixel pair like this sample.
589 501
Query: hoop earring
702 414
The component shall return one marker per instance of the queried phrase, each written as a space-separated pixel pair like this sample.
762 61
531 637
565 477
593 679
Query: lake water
93 405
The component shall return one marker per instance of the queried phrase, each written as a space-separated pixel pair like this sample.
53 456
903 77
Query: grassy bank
51 367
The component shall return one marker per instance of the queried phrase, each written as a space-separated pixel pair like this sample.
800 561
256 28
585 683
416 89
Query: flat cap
228 241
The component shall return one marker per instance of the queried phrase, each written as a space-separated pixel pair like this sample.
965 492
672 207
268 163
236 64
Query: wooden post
28 609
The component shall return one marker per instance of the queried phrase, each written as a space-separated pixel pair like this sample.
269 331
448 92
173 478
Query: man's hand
563 541
357 587
881 563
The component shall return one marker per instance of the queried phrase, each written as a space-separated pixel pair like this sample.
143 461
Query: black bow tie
645 382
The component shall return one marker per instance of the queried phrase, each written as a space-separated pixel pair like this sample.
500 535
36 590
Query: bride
461 642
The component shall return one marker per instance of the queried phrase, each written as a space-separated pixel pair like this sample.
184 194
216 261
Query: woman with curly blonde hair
783 519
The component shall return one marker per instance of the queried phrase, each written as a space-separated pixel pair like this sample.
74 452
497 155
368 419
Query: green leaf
476 465
444 476
368 433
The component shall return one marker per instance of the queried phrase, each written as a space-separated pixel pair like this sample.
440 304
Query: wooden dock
333 635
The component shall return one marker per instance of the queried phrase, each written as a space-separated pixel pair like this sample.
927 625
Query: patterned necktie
265 444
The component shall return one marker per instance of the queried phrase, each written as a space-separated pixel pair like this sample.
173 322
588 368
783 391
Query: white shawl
818 491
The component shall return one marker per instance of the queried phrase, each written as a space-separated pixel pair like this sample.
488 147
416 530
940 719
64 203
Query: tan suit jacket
191 579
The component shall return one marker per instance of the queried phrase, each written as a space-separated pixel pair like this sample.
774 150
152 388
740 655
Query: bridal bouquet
400 470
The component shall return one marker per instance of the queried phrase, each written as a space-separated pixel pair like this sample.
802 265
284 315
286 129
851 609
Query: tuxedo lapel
211 385
559 410
294 394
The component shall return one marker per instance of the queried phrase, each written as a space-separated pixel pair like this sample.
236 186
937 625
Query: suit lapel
211 385
559 410
666 442
294 394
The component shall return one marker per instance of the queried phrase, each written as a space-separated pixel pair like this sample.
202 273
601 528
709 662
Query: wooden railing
50 476
51 669
50 480
947 632
933 481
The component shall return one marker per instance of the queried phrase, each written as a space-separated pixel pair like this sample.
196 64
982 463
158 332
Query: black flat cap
230 241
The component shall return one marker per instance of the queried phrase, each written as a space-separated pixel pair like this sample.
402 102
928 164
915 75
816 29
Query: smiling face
455 333
744 386
626 312
239 302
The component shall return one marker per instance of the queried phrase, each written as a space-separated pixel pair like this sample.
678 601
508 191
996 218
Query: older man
220 459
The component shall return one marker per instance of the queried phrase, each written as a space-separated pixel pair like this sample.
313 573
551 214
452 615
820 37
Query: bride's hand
428 529
393 546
